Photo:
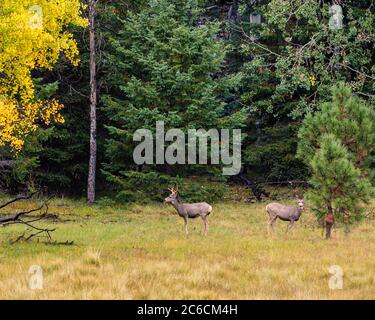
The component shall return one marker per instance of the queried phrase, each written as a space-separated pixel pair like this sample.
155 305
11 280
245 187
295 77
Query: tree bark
7 163
233 14
93 103
329 221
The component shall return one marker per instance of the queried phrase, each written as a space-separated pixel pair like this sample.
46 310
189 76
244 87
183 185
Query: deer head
173 196
300 203
299 199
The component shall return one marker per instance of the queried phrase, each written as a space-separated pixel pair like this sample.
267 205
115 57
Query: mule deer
284 213
189 210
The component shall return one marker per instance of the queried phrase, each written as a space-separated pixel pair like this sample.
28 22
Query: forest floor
142 252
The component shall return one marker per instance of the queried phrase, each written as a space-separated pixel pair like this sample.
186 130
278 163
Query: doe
285 213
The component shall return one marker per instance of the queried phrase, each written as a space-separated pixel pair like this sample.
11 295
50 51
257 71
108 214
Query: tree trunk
233 13
329 221
93 104
233 18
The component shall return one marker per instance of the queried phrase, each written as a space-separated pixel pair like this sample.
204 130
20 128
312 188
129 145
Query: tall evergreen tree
338 144
164 65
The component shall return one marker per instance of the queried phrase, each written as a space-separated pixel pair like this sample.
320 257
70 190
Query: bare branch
356 71
29 221
17 199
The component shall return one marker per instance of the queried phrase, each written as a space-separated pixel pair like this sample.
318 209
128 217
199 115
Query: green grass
141 252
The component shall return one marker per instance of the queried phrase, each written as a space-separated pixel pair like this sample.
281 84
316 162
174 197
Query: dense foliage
32 37
291 61
162 66
196 63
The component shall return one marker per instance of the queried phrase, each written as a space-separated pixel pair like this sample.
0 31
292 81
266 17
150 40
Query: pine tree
338 145
164 65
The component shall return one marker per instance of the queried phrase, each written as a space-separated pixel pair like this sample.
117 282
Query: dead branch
17 199
24 218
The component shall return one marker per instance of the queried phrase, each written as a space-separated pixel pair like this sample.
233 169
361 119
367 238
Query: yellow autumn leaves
16 123
32 36
311 79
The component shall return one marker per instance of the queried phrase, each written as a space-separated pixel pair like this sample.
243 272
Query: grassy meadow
142 252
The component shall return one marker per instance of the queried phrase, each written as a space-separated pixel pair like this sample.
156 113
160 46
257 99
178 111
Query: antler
173 190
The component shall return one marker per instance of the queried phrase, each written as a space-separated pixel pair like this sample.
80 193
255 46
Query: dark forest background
261 66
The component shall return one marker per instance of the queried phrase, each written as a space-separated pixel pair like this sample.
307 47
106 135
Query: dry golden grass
142 253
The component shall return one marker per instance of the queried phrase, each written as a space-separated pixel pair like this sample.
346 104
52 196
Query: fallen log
254 187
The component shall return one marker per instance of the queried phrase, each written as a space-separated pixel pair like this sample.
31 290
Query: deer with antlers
189 210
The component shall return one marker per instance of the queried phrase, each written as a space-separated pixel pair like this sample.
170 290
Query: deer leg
186 225
271 221
290 226
205 222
